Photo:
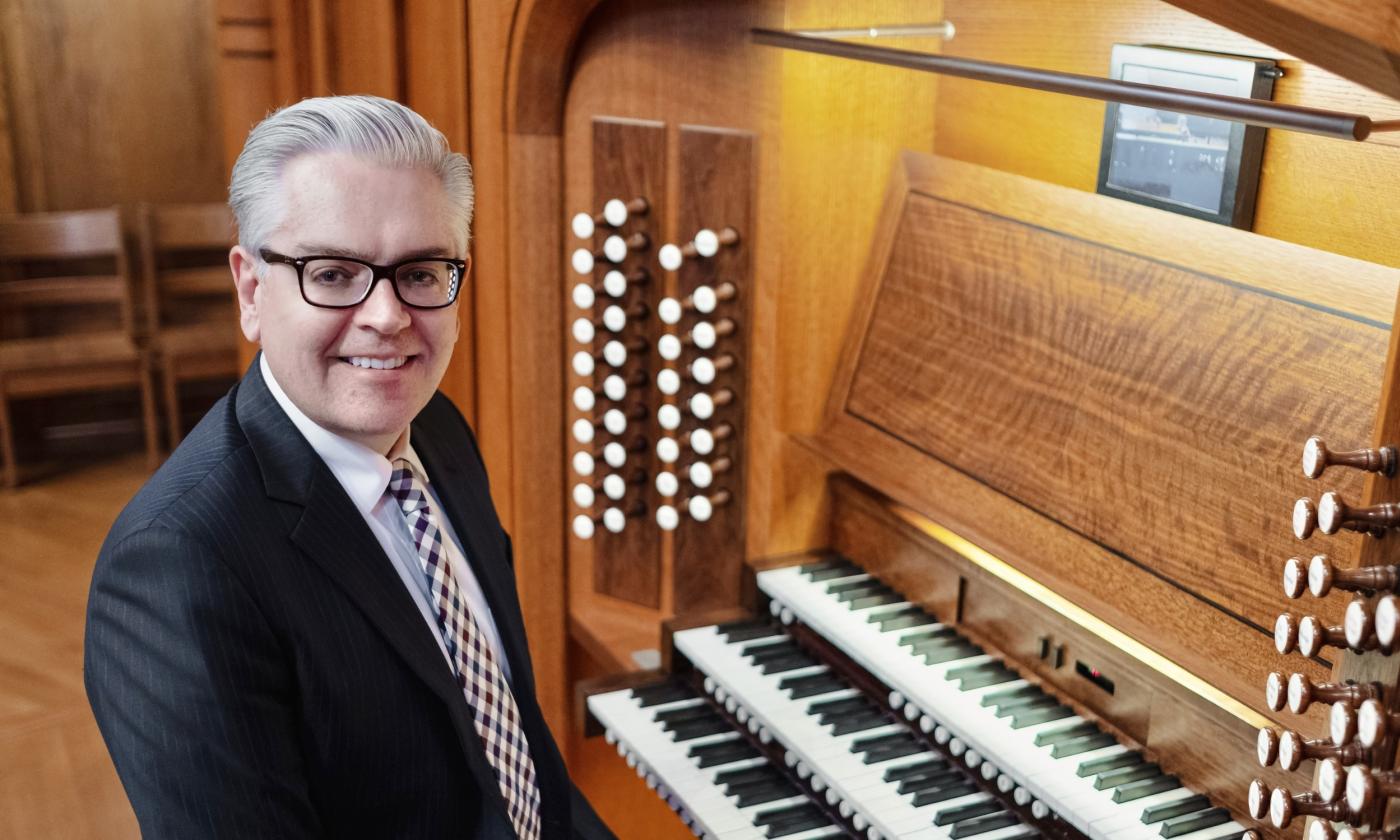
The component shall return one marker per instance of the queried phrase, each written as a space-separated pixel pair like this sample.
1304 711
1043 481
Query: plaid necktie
493 706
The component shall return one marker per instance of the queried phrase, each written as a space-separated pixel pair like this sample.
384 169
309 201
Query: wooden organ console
1049 500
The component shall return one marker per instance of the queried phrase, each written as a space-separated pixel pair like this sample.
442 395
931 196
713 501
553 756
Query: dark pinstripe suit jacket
257 667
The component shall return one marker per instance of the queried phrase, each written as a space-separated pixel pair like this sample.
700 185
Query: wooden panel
1147 708
1143 465
716 174
365 48
629 161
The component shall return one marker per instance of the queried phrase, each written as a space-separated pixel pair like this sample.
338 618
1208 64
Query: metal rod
1238 109
942 29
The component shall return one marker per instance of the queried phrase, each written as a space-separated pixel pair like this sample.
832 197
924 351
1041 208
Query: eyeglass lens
344 283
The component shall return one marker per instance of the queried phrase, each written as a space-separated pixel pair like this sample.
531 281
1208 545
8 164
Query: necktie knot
404 487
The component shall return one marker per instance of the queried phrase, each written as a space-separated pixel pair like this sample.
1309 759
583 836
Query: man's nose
382 310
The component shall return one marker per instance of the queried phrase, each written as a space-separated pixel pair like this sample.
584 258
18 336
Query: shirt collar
363 472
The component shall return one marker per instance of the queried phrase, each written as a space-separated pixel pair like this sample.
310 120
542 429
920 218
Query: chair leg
172 402
148 417
7 444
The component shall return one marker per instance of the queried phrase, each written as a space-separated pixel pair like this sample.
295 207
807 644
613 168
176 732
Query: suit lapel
333 534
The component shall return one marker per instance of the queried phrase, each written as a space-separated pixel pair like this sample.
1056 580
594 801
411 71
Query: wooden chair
67 317
189 297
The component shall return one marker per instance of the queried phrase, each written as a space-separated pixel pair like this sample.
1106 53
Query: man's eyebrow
334 251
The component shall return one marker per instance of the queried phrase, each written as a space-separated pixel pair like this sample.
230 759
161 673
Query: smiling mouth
375 363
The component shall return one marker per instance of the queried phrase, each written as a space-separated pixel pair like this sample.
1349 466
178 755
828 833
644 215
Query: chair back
184 256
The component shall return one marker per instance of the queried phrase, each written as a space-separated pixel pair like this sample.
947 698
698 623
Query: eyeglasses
342 282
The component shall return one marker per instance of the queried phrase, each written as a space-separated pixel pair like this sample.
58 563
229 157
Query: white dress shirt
364 474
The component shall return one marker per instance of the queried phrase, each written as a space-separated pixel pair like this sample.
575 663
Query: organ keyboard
869 703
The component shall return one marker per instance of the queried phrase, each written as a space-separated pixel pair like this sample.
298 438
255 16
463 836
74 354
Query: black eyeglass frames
332 282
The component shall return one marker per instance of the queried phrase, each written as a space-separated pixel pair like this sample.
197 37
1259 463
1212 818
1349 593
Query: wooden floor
56 780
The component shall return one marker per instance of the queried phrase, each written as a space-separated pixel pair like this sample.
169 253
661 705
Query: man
306 623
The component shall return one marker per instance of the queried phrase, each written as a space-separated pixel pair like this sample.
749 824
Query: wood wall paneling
9 176
716 174
629 161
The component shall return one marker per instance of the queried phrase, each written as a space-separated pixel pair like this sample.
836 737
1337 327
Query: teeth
377 364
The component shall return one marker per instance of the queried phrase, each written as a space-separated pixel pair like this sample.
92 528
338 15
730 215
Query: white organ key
583 296
583 464
583 363
583 430
582 261
669 347
614 487
584 398
615 284
668 382
614 319
583 331
668 417
615 353
583 495
669 311
666 483
667 450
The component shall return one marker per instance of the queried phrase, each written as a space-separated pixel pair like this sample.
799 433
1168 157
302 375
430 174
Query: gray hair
377 129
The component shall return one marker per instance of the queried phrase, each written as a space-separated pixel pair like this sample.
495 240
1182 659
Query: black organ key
986 677
1195 822
791 662
940 633
1050 737
902 619
908 771
715 755
1045 714
904 748
825 708
1032 702
811 685
834 571
768 650
833 561
1079 746
859 723
982 825
743 775
1018 696
1168 810
780 789
698 728
875 599
1107 763
930 781
744 631
667 692
1126 775
968 812
841 588
683 713
785 821
952 790
1147 787
880 741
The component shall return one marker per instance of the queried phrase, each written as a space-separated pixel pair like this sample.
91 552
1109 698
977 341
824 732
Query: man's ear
246 283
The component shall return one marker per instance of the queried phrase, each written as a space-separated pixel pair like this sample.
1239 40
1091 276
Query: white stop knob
583 363
615 212
702 405
703 369
583 463
704 299
667 518
583 430
670 257
615 353
702 442
615 388
614 520
667 450
614 318
706 243
1387 620
583 526
669 347
614 284
701 475
582 330
615 249
582 261
615 454
584 400
614 487
583 296
700 509
669 311
583 495
666 484
703 334
669 417
668 382
614 421
582 225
